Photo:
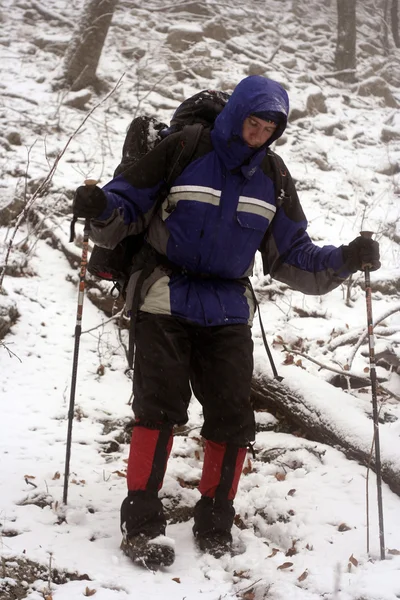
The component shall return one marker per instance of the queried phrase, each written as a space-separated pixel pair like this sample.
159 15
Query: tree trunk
274 396
83 54
345 56
395 22
385 35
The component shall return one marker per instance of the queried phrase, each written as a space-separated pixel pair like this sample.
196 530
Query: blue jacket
218 213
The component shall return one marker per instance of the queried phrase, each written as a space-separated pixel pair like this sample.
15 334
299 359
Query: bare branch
113 318
25 211
51 15
364 335
10 352
341 371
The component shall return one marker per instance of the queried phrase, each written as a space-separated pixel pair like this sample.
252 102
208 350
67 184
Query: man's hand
89 202
360 253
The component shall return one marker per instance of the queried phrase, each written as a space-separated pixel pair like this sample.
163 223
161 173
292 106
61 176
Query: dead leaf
298 363
292 551
280 476
309 547
177 579
48 596
291 492
353 561
285 565
394 551
303 576
89 592
274 551
366 370
289 359
100 370
29 477
186 484
56 475
239 522
346 368
242 574
248 468
343 527
119 473
250 595
197 455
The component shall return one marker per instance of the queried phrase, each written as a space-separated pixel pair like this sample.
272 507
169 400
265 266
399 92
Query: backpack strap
274 167
184 153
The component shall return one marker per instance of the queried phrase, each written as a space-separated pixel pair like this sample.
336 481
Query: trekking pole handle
87 182
367 235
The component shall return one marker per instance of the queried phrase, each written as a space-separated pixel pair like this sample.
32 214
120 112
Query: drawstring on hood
254 94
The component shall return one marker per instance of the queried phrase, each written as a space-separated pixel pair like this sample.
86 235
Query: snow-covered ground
301 529
301 504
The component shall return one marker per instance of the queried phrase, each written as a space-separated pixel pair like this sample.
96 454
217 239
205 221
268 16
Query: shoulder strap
275 168
185 150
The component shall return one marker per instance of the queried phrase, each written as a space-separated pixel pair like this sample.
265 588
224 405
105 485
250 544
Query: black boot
213 520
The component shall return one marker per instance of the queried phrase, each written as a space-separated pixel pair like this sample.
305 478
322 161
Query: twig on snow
341 372
365 332
10 352
51 15
113 318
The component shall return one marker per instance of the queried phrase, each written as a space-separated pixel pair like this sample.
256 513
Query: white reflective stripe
256 207
262 211
196 193
173 199
247 200
195 188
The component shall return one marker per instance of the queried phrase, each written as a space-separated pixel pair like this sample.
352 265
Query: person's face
257 132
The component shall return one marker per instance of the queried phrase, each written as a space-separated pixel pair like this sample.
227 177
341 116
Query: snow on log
328 415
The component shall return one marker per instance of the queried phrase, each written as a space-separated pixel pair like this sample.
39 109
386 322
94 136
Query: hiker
196 307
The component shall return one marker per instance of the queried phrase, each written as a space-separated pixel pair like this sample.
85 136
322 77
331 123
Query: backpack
144 133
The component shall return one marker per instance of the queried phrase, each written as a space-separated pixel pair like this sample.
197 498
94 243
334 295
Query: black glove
360 253
89 202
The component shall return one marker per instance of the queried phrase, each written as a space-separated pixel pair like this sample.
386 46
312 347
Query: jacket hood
253 94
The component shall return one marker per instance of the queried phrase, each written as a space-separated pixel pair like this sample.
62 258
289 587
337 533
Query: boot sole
152 556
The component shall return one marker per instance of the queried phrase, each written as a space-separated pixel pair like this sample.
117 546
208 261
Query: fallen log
316 424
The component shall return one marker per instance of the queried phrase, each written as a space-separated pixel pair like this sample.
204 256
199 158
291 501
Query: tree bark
385 35
84 51
274 396
345 55
395 22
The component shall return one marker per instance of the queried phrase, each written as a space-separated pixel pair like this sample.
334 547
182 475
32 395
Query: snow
299 501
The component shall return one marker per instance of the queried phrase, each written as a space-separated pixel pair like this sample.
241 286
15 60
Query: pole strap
264 337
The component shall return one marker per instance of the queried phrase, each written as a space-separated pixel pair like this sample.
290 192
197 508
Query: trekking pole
78 331
371 344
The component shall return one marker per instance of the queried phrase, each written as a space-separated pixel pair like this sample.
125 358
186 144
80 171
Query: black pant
217 362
